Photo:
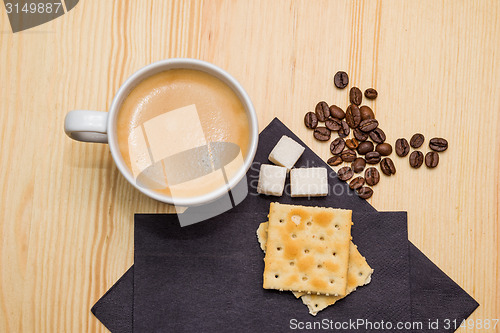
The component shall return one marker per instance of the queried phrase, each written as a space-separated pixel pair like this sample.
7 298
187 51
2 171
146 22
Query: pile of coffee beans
417 158
367 143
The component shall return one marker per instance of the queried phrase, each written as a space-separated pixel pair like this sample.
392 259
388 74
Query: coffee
355 95
431 159
417 140
402 147
206 111
416 159
337 146
311 120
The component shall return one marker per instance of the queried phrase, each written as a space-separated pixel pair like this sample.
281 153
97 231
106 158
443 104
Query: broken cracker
358 274
307 249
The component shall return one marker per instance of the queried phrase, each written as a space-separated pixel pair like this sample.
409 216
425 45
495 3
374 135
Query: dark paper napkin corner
175 265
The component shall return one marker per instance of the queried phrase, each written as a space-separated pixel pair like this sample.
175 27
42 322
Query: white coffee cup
100 127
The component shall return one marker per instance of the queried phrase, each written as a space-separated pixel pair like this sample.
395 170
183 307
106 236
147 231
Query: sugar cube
309 182
286 152
271 179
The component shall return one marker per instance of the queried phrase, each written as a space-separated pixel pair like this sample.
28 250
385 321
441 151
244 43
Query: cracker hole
278 248
316 305
292 263
294 236
332 281
276 276
306 251
322 238
309 223
360 273
334 254
281 220
337 227
304 278
320 266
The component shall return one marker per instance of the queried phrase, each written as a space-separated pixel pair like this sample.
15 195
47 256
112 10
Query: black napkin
208 277
434 295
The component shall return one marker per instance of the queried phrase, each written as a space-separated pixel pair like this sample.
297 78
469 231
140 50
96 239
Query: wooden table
66 228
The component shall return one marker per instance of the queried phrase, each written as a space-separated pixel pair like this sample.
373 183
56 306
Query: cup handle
87 126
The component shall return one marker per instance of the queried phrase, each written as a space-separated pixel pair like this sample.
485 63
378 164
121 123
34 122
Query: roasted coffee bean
365 147
384 149
344 130
322 111
372 176
416 159
310 120
352 143
377 135
438 144
358 165
366 112
334 161
402 147
336 112
352 116
356 183
333 124
431 159
355 95
417 140
341 80
368 125
337 146
348 155
372 157
371 93
360 135
387 166
365 192
322 133
345 173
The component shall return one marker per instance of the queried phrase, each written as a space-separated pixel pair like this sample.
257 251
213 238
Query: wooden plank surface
66 227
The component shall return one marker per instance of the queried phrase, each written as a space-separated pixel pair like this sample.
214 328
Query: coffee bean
355 95
371 93
358 165
438 144
310 120
402 147
345 173
333 124
341 80
431 159
377 135
387 166
322 111
372 157
334 161
416 159
366 112
357 183
368 125
372 176
322 133
365 147
337 146
348 155
360 135
365 192
384 149
352 143
417 140
352 116
336 112
344 130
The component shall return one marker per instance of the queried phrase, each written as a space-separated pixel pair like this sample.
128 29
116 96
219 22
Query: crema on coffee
171 126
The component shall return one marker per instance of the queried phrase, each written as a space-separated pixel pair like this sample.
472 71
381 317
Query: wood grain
66 228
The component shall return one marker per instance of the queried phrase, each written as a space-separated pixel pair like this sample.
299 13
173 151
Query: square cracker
358 274
307 249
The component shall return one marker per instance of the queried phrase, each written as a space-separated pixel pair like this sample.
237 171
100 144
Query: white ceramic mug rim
137 77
